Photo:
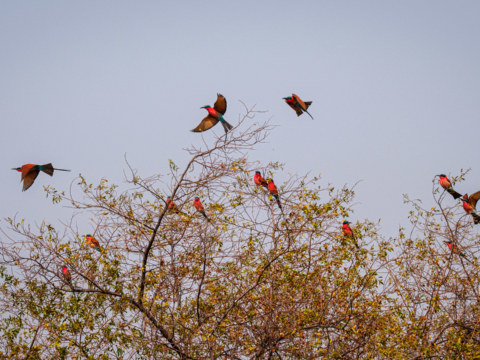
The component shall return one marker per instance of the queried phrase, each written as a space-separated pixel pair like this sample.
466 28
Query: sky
395 88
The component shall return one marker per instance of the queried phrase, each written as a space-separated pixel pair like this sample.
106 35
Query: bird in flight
469 204
31 171
298 105
215 115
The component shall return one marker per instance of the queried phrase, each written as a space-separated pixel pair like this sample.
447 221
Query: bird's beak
14 169
284 98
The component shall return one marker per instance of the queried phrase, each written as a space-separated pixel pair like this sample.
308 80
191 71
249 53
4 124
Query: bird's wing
297 110
300 101
263 182
207 123
221 104
29 178
472 200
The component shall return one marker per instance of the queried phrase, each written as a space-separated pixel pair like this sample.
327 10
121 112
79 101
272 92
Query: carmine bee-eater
469 204
66 274
171 206
198 205
298 105
348 232
31 171
447 185
273 190
259 180
454 248
92 242
215 115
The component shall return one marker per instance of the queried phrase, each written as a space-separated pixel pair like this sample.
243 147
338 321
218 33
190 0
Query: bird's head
197 198
287 98
205 107
270 181
258 172
464 200
18 169
88 235
345 222
442 175
447 242
64 269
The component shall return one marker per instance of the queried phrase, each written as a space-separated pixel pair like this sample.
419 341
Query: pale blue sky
395 87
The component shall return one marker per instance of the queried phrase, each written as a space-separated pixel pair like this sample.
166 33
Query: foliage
252 281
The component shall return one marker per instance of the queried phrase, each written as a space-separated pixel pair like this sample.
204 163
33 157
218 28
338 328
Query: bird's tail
307 104
226 126
99 250
476 218
206 217
47 169
455 194
309 114
278 201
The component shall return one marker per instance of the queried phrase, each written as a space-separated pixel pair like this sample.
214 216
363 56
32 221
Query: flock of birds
469 204
215 115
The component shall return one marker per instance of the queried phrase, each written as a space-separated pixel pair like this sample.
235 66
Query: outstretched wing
473 199
221 104
207 123
29 178
300 101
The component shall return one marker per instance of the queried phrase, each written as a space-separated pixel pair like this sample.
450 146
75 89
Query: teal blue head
88 235
18 169
287 98
345 222
205 107
197 198
442 175
258 172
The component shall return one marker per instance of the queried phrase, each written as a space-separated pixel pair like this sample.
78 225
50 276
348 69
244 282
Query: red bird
469 204
273 190
298 105
198 205
66 274
171 206
447 185
93 242
259 180
453 248
31 171
348 232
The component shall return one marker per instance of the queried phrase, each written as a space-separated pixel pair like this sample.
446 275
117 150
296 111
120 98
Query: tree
252 281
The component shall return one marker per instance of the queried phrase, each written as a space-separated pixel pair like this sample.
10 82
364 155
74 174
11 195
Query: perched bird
93 242
447 185
273 190
215 115
66 274
298 105
31 171
454 248
198 205
469 204
171 206
347 232
259 180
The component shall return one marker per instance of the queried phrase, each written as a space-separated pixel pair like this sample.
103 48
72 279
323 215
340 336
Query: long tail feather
61 169
309 114
476 219
455 194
